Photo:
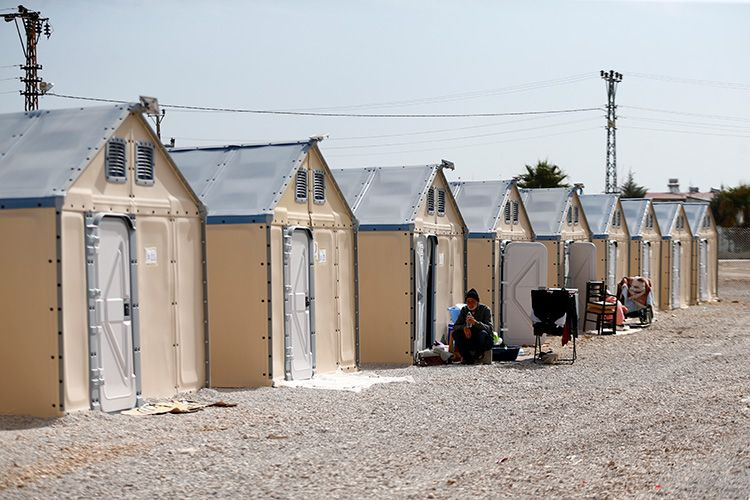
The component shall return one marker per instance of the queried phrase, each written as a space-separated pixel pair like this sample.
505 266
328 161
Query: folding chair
603 311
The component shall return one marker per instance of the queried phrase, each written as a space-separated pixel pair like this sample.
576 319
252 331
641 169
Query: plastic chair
603 311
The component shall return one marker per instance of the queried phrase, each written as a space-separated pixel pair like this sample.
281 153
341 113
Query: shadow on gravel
13 423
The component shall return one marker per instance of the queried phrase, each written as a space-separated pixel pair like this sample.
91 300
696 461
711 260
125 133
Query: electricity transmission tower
33 25
611 79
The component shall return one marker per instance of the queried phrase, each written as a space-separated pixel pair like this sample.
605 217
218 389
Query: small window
300 185
649 221
506 212
515 212
430 201
441 202
575 215
144 163
570 216
116 160
319 187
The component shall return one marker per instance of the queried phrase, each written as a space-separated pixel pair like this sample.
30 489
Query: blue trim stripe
239 219
479 235
386 227
47 202
548 237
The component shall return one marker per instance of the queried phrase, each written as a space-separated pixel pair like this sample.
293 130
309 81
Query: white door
582 270
703 270
424 314
113 316
676 260
524 269
301 331
646 259
611 265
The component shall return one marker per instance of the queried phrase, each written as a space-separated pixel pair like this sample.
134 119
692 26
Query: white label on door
152 257
322 255
441 259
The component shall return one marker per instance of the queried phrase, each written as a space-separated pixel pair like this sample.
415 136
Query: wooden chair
597 306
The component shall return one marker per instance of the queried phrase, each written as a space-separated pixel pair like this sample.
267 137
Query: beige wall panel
385 298
479 268
601 258
634 258
665 301
238 307
191 348
347 318
155 301
277 301
75 317
28 308
334 211
327 338
554 262
516 232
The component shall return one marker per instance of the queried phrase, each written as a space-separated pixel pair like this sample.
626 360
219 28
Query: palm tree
632 190
543 175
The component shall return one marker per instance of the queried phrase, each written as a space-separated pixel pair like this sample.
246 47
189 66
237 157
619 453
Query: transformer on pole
34 25
611 79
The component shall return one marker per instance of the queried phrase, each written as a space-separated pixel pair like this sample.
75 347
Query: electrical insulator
47 30
38 27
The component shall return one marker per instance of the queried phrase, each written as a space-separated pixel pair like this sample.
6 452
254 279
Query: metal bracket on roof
365 188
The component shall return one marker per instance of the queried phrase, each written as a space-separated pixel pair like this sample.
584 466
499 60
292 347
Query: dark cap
473 294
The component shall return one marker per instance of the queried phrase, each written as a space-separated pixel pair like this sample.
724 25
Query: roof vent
507 212
116 160
674 185
144 163
515 212
300 185
430 201
319 187
693 189
441 202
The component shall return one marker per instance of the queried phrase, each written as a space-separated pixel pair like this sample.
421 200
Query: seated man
472 332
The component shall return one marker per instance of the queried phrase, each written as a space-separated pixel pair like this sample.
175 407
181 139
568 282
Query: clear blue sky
284 54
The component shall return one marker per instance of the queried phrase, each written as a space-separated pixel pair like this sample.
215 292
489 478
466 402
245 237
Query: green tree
543 175
632 190
731 207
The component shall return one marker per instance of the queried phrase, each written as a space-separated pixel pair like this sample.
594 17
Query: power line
463 95
716 126
461 146
339 115
688 132
685 113
692 81
460 138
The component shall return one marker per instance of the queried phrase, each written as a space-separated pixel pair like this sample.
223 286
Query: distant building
674 193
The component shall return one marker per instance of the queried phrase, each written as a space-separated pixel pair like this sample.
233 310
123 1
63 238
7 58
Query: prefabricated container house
610 235
645 242
675 254
558 221
502 261
102 288
704 255
411 245
281 262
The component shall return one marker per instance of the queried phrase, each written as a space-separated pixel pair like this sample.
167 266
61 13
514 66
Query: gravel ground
661 412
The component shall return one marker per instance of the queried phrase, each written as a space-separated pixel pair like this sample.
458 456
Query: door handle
307 302
126 309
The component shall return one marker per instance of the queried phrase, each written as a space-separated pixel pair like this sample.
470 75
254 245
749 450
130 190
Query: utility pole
611 79
33 24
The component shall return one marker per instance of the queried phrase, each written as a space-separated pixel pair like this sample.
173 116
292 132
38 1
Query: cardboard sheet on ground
339 381
175 407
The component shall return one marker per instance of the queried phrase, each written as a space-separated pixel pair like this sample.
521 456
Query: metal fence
734 242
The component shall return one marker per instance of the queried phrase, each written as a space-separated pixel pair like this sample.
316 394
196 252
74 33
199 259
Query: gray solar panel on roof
635 210
695 213
481 202
666 213
242 180
546 209
43 152
387 195
598 209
